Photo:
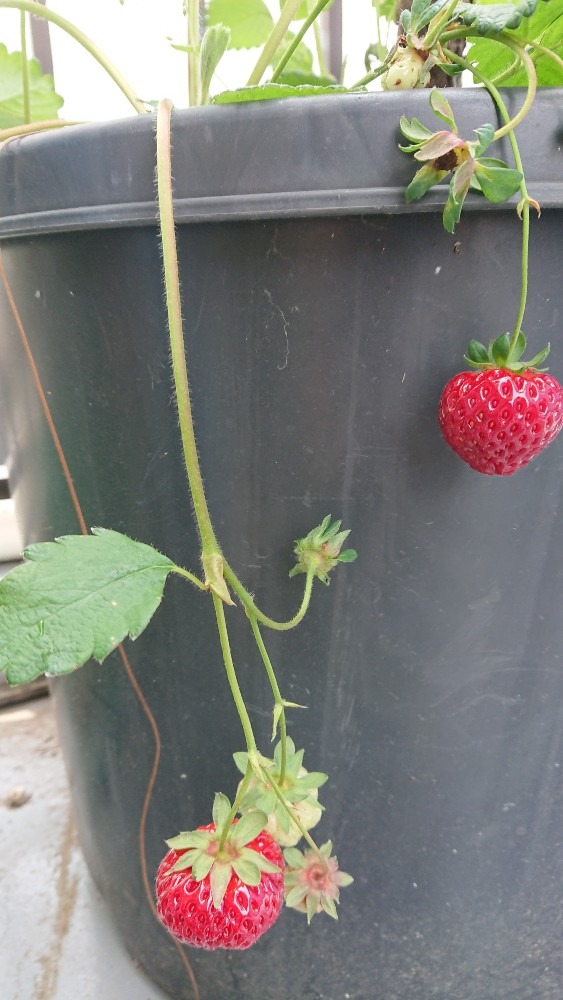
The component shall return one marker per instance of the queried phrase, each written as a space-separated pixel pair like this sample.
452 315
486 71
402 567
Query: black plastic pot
323 317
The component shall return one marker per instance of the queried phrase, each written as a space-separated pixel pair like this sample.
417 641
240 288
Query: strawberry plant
222 884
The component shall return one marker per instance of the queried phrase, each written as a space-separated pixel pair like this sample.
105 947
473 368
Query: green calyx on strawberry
500 355
313 881
299 787
501 415
214 892
319 551
205 855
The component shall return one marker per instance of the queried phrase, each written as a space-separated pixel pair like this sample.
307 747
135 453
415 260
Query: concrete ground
56 937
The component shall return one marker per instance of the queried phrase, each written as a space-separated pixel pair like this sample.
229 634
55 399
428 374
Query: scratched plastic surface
432 667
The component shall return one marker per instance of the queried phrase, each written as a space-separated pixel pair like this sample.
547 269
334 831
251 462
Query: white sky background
134 36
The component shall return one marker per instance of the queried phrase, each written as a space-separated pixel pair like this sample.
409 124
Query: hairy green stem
275 691
525 202
232 677
274 40
524 56
248 601
174 309
194 77
25 68
40 11
189 576
313 15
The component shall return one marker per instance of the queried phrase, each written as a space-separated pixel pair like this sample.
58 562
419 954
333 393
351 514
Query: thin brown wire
125 660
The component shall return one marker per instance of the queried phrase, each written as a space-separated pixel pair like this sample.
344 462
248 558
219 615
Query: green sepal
497 183
329 907
214 44
248 828
219 878
202 866
259 861
314 779
423 180
241 760
266 802
538 358
221 810
248 872
500 349
311 904
187 860
294 858
192 838
485 135
348 556
452 209
442 108
414 130
461 179
296 895
477 353
519 347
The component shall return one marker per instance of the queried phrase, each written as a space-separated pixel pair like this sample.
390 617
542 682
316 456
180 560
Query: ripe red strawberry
498 418
212 897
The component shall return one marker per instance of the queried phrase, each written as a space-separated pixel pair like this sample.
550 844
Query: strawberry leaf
44 102
414 130
272 92
452 209
250 21
485 135
74 599
491 19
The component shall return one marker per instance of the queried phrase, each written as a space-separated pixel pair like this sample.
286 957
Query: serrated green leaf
273 92
214 44
301 60
296 78
44 101
248 872
497 183
248 828
477 353
250 21
74 599
500 348
221 810
442 108
491 19
219 878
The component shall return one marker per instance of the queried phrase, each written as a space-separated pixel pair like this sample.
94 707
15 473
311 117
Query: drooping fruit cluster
501 416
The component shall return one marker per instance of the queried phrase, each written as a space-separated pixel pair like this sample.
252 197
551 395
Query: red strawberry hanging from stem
503 413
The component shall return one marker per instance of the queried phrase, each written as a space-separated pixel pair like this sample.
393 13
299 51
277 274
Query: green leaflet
74 599
250 21
273 91
44 102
